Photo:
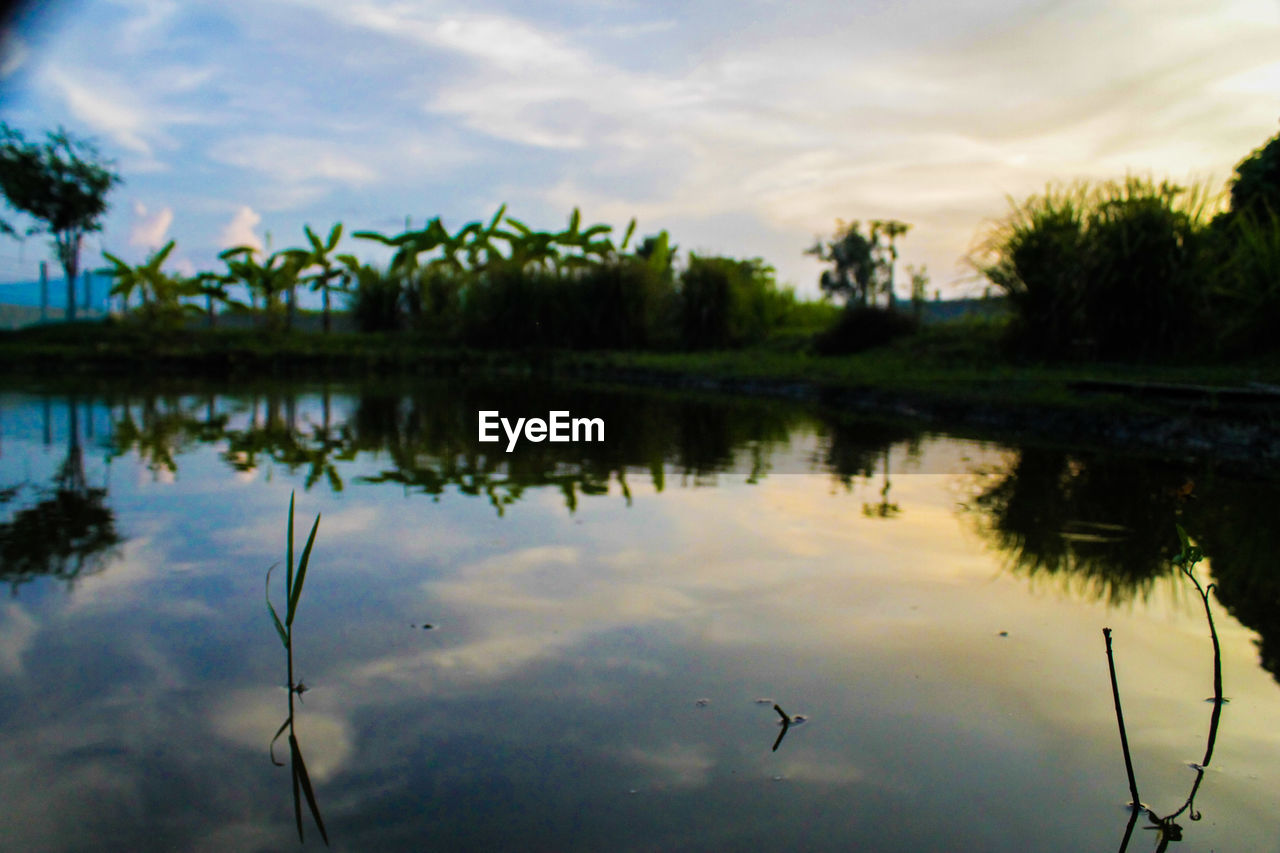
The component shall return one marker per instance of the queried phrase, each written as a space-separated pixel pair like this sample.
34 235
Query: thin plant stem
1124 739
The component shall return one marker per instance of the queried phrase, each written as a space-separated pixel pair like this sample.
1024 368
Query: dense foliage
1137 270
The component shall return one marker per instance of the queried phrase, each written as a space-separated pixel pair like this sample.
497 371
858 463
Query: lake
732 624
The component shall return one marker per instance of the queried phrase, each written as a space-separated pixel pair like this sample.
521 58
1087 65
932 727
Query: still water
581 646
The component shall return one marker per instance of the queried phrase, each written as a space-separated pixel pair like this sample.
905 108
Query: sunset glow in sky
743 128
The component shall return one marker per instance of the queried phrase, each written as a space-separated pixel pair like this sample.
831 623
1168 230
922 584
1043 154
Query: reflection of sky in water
552 703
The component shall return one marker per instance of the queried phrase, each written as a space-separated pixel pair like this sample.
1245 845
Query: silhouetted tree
63 185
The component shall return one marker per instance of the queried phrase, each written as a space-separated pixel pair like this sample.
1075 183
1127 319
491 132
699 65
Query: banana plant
592 244
327 276
161 294
213 287
529 249
146 277
409 244
657 252
276 275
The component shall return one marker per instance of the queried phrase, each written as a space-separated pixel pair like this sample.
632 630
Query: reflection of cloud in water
136 566
823 771
250 717
843 573
676 765
17 634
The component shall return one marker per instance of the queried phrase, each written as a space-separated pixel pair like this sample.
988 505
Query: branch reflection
1166 827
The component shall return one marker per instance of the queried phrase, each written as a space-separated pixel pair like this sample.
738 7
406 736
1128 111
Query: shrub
1117 270
861 328
433 300
626 303
1255 190
376 303
1144 284
1247 296
726 302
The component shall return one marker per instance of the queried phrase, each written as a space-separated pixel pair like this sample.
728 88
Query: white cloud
151 230
239 231
104 106
749 140
294 159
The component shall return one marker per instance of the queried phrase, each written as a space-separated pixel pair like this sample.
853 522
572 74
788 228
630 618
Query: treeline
498 284
1139 270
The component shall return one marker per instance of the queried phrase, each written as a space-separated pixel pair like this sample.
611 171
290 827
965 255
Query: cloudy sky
743 128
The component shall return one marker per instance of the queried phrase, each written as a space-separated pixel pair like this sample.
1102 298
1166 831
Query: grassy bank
960 361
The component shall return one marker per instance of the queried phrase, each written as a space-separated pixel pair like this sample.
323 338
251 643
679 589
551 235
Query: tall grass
1114 270
1247 295
1035 255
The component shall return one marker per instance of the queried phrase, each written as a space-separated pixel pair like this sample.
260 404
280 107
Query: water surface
570 647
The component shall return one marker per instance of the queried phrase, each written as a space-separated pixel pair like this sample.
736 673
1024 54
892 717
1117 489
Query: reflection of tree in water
854 450
433 446
67 531
1106 521
1235 525
274 433
158 428
423 438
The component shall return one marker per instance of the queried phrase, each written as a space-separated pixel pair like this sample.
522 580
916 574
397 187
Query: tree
919 286
1256 188
162 293
276 275
319 255
855 263
892 229
62 184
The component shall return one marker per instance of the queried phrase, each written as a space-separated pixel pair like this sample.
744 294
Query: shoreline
1187 413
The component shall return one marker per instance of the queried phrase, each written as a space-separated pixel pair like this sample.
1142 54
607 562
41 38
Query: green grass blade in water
288 553
284 635
301 575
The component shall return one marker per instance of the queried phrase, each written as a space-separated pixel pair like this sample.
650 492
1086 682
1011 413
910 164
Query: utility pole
44 291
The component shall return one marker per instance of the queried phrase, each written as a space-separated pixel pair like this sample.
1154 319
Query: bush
433 301
627 303
1118 270
1144 286
1255 190
861 328
376 303
622 303
727 303
1246 300
1036 259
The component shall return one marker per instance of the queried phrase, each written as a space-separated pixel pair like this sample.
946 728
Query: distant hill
28 292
